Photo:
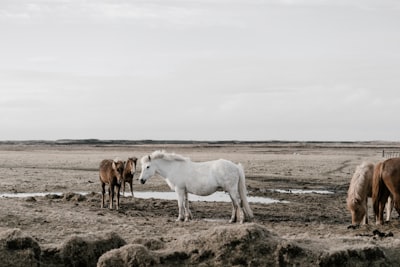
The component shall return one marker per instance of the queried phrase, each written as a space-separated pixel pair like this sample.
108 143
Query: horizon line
180 141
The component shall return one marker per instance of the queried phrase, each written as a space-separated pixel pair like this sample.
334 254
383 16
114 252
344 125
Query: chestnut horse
111 173
386 182
129 172
360 190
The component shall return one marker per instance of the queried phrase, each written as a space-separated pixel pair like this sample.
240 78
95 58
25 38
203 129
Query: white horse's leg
237 212
233 217
188 213
181 201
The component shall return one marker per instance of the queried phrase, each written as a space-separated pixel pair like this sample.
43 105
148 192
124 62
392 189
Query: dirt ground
317 222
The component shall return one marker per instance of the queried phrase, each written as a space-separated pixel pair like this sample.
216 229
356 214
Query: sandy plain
312 222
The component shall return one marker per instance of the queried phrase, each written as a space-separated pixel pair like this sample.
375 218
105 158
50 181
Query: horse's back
225 172
391 166
224 166
391 173
107 171
361 183
204 178
105 165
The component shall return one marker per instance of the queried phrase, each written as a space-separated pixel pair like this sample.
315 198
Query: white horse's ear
114 166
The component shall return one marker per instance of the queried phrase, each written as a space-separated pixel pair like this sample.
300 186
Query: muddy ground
315 223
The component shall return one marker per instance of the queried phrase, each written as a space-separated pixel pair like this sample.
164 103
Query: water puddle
216 197
301 191
23 195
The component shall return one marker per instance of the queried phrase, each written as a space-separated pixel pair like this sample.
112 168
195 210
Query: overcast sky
200 69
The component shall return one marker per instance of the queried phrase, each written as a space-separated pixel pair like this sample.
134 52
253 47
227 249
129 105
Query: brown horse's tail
378 187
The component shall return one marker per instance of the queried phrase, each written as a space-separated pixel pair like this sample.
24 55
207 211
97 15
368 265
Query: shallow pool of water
301 191
216 197
37 194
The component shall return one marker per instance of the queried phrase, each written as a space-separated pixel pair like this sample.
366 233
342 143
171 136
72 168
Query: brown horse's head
130 166
118 170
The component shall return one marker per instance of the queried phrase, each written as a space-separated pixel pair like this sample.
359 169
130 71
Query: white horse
199 178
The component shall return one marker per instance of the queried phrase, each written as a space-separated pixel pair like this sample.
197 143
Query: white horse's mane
162 154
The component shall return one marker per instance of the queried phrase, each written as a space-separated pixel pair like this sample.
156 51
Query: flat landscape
307 225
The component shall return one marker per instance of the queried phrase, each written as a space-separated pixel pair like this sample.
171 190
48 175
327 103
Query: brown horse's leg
103 192
389 208
391 193
382 203
118 190
131 185
123 187
111 195
396 202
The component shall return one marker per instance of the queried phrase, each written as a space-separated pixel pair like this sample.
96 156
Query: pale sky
323 70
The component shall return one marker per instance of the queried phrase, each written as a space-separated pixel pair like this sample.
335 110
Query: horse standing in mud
129 172
110 173
199 178
386 182
360 190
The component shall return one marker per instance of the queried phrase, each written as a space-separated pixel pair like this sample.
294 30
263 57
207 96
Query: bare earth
313 223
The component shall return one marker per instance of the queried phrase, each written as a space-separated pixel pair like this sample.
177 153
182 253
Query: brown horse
360 190
110 173
129 172
386 182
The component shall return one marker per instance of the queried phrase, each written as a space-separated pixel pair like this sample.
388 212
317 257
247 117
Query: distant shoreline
270 143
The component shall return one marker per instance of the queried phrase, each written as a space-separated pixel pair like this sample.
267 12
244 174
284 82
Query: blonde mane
162 154
361 183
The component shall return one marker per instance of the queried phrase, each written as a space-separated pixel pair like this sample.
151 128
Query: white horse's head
148 169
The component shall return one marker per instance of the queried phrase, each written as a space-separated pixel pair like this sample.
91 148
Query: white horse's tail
243 192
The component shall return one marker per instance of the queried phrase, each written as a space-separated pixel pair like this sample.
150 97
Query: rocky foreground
242 245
